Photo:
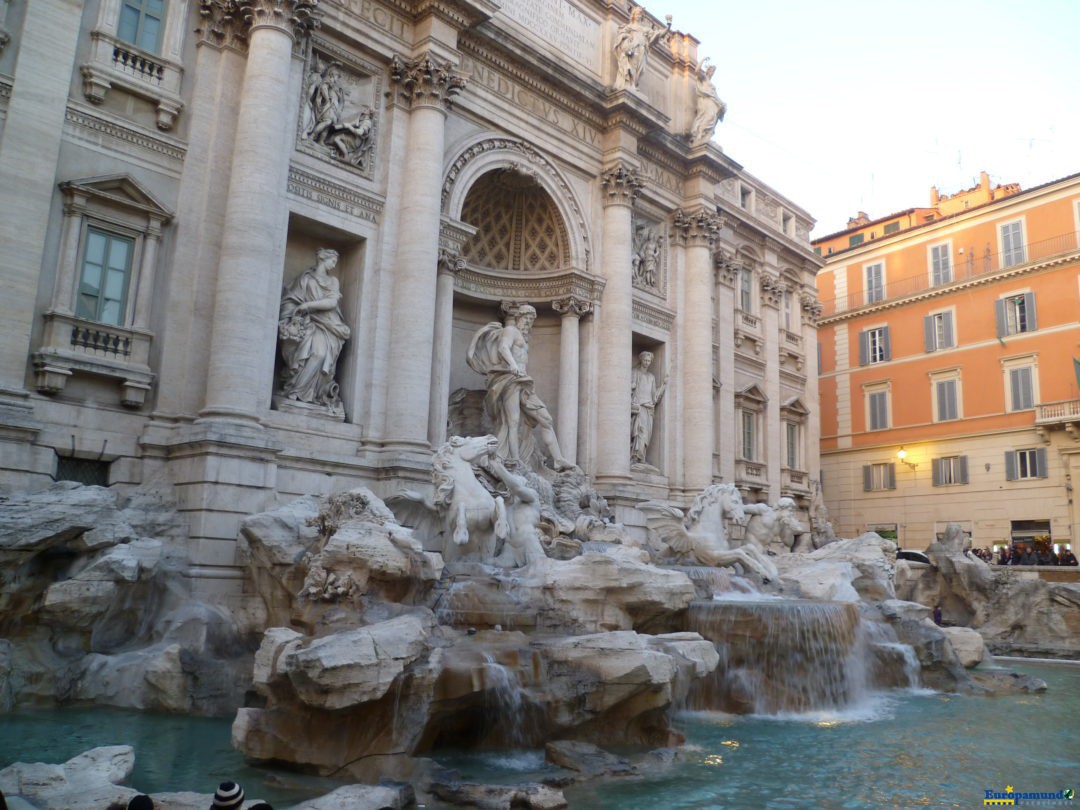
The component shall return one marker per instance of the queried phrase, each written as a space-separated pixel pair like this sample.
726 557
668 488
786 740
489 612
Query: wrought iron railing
970 266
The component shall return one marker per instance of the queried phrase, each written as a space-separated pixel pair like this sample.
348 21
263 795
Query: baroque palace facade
950 366
406 170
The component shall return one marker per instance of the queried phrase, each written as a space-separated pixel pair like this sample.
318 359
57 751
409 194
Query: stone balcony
114 63
1053 415
72 345
794 483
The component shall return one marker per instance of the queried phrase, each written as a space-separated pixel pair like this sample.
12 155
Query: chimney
934 198
984 181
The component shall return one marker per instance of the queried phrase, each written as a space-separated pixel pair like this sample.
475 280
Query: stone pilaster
727 275
571 309
31 142
424 88
811 311
698 230
772 291
239 381
621 186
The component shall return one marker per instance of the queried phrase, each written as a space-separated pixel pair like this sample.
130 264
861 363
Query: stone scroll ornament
631 47
311 333
348 136
709 108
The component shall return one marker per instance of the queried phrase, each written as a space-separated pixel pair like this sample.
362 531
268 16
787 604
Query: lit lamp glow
902 455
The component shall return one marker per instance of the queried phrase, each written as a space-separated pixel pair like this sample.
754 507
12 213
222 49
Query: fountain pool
894 749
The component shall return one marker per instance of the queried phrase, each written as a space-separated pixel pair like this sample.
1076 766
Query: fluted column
571 309
811 311
252 249
425 87
615 324
698 230
450 263
771 294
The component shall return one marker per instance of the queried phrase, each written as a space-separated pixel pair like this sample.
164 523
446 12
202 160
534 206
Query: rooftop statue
632 45
710 109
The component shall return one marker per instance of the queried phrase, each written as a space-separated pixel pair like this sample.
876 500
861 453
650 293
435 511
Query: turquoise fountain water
898 749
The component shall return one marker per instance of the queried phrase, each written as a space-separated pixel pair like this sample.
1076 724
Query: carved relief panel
649 256
339 113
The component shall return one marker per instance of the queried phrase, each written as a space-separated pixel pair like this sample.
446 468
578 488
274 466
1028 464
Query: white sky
849 105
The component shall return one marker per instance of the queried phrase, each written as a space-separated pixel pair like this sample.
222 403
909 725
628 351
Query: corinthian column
697 230
615 325
241 361
571 310
425 87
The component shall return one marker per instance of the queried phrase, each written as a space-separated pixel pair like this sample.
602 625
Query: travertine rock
843 571
90 781
967 643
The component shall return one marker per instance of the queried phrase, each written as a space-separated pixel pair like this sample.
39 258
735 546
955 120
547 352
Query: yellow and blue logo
1011 797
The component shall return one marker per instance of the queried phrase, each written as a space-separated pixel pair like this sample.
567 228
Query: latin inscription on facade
521 96
561 25
377 16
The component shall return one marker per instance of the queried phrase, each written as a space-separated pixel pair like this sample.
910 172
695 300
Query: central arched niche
519 229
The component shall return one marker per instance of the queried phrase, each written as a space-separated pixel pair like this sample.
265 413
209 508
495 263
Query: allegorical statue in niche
632 45
644 397
710 109
645 262
312 332
501 352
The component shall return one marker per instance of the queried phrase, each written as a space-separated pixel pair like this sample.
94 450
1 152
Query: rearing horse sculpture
700 535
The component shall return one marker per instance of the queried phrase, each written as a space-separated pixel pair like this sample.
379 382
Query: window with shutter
940 266
1021 389
875 282
1012 244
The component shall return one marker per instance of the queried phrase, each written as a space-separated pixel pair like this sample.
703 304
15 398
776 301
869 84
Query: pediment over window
120 190
752 397
794 410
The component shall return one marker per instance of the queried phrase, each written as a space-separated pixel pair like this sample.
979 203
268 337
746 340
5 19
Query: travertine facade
163 180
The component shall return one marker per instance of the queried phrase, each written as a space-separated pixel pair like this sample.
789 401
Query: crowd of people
1027 554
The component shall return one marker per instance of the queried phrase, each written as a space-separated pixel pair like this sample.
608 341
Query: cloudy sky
849 105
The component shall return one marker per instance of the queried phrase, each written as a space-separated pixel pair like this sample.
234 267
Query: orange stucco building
952 333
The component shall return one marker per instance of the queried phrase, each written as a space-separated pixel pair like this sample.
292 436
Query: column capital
771 290
572 306
228 22
425 81
699 227
622 184
811 306
727 268
450 261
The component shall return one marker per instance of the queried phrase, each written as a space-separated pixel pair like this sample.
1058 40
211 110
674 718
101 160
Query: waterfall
779 656
505 707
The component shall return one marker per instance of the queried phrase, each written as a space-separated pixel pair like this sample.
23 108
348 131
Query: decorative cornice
425 81
653 315
493 286
622 185
572 305
698 227
155 145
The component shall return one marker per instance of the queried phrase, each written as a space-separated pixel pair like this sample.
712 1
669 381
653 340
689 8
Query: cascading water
504 702
779 656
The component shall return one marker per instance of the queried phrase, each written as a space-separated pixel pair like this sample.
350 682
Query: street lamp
902 455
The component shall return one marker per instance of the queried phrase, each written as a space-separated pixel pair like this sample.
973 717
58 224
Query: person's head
645 358
229 796
141 802
261 806
327 257
524 315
